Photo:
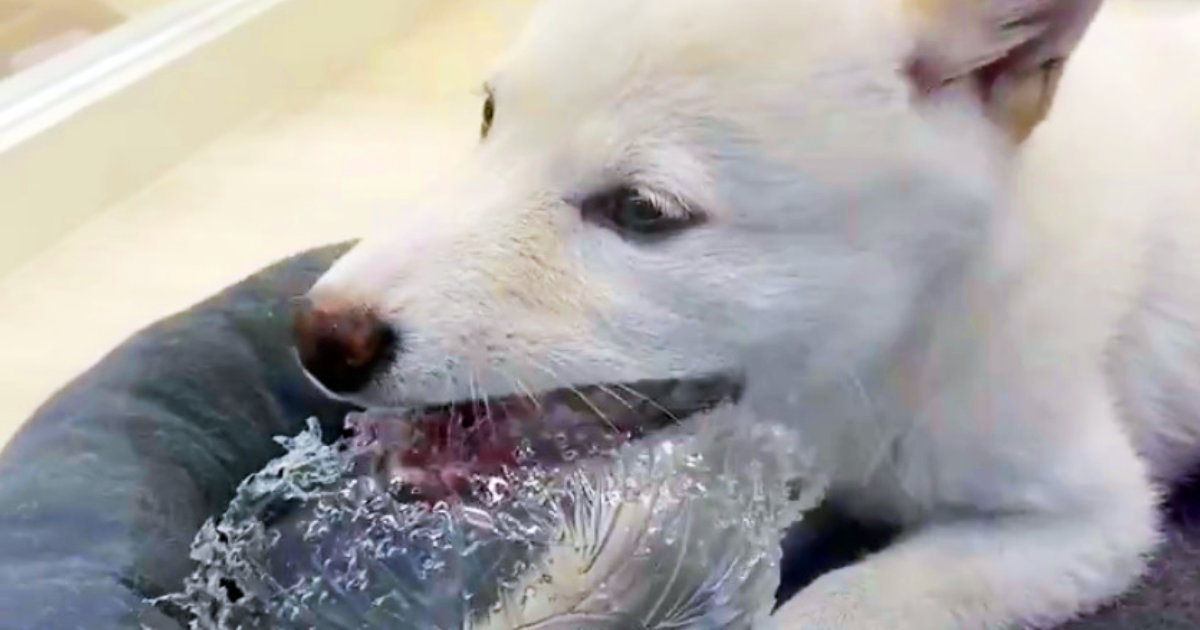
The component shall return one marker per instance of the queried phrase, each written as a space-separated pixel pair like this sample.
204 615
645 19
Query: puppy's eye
489 114
629 212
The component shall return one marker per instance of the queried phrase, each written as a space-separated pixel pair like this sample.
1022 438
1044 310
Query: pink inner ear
987 40
924 74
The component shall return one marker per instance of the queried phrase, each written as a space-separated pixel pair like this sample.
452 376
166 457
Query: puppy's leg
1017 570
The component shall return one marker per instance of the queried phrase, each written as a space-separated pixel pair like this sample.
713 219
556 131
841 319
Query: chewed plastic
677 530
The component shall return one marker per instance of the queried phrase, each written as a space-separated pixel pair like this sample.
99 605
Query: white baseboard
99 122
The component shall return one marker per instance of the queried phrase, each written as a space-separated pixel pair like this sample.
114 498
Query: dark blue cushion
103 489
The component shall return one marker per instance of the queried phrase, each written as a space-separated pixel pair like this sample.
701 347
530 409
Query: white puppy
845 212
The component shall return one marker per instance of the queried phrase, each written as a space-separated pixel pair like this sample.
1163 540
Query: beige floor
325 172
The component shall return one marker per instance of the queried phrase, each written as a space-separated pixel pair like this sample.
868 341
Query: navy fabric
103 489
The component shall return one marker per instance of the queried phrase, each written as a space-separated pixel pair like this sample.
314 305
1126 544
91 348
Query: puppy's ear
1010 52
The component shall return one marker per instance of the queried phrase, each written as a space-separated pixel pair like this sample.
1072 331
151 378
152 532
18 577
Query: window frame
98 122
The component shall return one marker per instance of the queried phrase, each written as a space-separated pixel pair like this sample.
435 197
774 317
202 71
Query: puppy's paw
858 598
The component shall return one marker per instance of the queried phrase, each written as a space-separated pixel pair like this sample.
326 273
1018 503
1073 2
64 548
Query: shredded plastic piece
676 530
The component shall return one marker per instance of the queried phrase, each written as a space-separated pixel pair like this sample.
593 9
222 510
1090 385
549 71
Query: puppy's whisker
526 392
650 401
608 390
487 408
859 390
555 380
471 389
587 401
582 396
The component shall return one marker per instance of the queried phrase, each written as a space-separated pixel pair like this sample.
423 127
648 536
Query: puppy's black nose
342 346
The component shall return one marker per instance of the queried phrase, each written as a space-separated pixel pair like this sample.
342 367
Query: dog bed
105 487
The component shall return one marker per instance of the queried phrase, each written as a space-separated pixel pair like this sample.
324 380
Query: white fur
996 347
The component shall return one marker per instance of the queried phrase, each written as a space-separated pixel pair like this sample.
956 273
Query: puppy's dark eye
629 212
489 114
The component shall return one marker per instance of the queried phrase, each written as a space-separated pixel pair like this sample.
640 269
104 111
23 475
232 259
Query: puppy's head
663 187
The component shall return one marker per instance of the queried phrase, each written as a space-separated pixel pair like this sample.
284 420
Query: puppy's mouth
447 450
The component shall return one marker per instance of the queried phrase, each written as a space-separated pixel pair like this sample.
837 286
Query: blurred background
34 30
155 151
